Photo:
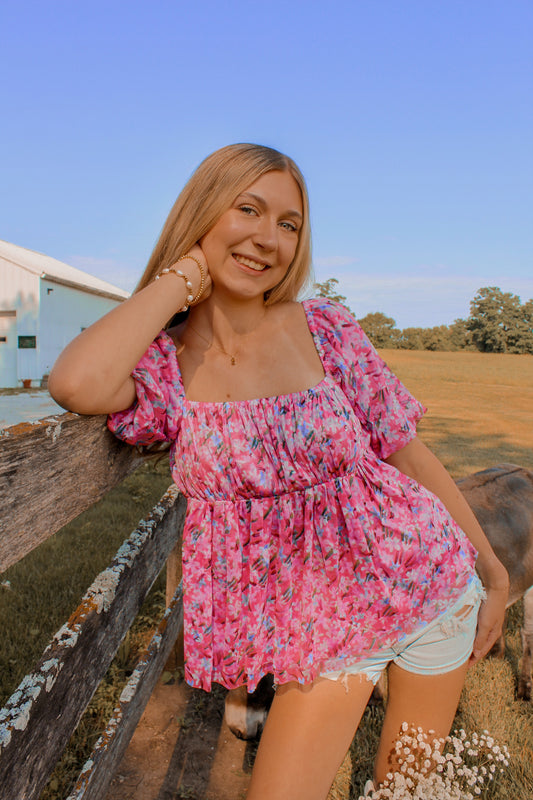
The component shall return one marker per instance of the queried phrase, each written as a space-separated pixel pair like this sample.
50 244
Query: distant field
480 405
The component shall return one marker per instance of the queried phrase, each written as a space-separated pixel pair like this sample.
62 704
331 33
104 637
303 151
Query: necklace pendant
233 362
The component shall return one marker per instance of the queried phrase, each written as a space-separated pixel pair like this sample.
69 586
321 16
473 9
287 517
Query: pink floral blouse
303 551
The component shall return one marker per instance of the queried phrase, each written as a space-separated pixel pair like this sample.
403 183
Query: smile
249 262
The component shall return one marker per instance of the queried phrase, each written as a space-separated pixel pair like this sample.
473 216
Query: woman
323 541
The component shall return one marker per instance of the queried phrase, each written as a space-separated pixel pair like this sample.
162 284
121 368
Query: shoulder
322 308
316 308
332 321
320 314
289 316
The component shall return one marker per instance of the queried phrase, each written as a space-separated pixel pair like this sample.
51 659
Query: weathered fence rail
50 472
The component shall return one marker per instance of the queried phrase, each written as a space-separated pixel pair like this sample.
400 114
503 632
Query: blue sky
412 121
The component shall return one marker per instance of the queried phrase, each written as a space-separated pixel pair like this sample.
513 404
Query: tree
499 323
411 339
380 329
460 338
437 338
440 337
329 289
527 339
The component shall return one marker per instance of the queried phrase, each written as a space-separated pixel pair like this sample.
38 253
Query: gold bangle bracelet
202 275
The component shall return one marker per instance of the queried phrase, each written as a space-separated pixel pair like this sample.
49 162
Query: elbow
57 388
414 460
89 394
70 393
64 390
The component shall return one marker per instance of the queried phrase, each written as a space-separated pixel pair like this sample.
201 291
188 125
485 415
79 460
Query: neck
225 323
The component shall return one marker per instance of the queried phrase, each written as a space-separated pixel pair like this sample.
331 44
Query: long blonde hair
210 191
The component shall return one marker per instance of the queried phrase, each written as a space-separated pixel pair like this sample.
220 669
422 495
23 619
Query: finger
484 641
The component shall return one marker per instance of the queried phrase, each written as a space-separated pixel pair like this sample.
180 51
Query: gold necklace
232 358
229 355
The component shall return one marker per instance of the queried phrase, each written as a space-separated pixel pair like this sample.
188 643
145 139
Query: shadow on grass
463 453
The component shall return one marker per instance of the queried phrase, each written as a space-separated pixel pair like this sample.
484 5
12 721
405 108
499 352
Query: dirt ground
182 748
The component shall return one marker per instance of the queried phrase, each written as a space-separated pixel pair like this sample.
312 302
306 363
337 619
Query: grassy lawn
479 405
479 415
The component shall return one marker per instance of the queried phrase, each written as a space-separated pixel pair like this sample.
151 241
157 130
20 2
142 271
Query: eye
289 226
249 210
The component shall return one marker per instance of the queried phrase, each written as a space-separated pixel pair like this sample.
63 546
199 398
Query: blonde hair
210 191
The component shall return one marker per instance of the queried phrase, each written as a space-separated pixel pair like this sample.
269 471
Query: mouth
257 266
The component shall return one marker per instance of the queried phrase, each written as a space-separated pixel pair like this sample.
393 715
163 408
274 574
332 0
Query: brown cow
502 500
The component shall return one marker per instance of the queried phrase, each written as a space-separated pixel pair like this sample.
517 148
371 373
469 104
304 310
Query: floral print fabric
303 551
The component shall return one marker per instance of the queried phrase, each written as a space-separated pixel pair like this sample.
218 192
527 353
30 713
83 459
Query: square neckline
276 397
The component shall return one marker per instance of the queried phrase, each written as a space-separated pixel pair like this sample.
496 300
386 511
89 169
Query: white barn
44 304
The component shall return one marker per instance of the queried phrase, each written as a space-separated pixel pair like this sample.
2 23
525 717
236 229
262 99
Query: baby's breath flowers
458 767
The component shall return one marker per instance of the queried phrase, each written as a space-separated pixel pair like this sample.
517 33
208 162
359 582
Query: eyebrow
261 201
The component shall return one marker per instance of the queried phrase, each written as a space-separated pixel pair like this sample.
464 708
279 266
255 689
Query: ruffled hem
268 591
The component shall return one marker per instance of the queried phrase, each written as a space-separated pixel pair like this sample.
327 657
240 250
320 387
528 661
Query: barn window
3 339
27 342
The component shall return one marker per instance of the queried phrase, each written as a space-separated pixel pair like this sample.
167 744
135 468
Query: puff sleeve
387 411
155 416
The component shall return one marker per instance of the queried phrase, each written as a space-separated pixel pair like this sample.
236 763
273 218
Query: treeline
498 323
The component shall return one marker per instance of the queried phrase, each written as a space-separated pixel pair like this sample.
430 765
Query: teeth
249 263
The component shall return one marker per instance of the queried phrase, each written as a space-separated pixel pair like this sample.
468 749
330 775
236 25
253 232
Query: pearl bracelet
188 284
190 297
202 274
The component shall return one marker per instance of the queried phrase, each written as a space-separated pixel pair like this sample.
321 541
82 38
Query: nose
266 233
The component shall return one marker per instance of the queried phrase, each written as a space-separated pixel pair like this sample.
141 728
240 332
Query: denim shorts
441 646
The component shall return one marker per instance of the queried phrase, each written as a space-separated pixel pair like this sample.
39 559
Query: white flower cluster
455 768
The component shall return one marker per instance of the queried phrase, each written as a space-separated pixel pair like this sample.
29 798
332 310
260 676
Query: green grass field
479 415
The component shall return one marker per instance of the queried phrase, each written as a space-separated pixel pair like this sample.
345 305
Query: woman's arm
417 461
93 373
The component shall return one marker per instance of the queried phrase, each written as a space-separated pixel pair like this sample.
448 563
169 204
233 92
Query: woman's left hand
490 622
419 463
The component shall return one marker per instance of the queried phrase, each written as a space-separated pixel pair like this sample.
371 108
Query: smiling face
252 245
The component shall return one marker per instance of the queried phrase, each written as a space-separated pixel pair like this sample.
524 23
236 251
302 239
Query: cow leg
245 713
524 683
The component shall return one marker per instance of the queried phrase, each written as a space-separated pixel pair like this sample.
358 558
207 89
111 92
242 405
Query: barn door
8 349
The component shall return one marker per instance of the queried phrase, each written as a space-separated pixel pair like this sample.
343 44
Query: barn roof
56 271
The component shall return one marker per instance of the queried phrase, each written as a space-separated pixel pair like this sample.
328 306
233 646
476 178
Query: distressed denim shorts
441 646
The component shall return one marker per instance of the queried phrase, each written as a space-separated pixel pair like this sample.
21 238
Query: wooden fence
51 471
